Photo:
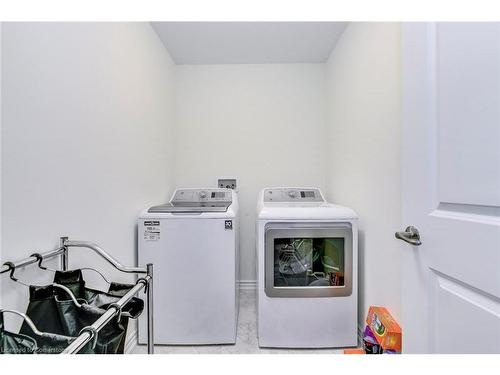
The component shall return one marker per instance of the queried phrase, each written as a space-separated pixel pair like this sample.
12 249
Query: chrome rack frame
90 333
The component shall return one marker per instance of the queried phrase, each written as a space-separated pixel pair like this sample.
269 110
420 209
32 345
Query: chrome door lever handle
410 235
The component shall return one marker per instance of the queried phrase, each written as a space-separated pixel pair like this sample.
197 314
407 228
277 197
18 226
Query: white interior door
451 187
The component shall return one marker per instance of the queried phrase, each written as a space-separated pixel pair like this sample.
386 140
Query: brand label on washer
152 230
228 225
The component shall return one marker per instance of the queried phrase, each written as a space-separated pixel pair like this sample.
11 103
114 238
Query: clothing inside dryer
309 262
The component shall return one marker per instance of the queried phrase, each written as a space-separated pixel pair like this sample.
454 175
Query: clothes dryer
307 270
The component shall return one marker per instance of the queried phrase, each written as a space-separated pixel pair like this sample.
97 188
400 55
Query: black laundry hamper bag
74 281
54 343
14 343
47 313
52 311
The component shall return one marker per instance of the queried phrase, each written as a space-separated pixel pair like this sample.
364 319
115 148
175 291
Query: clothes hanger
12 268
40 260
98 272
39 257
28 321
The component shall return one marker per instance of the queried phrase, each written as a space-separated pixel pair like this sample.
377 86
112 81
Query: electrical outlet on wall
227 183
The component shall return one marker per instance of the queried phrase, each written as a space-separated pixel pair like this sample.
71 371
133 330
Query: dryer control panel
293 195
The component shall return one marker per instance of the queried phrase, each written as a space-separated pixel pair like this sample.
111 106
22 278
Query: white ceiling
249 42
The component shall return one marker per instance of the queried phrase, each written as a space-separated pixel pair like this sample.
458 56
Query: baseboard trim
247 284
131 342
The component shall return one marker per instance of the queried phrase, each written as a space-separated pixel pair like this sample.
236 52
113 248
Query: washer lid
197 201
169 207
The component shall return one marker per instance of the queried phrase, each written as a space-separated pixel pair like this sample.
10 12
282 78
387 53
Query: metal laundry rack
90 333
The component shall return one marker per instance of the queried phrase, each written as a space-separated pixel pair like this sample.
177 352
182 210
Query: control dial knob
292 194
203 194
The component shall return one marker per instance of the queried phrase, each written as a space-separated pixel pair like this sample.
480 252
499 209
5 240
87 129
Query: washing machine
307 277
193 243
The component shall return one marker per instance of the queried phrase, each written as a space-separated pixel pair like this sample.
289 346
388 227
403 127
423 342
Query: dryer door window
305 262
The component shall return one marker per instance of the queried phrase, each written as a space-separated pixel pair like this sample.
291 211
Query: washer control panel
183 196
292 195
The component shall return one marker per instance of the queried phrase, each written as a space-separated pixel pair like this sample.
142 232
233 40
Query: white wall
87 138
1 258
363 87
263 124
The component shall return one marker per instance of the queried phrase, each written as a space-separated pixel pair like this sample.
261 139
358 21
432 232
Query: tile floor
246 341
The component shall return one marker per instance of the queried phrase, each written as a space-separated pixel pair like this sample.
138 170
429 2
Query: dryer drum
296 257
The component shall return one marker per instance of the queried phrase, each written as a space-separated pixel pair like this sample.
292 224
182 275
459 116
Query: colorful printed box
385 329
